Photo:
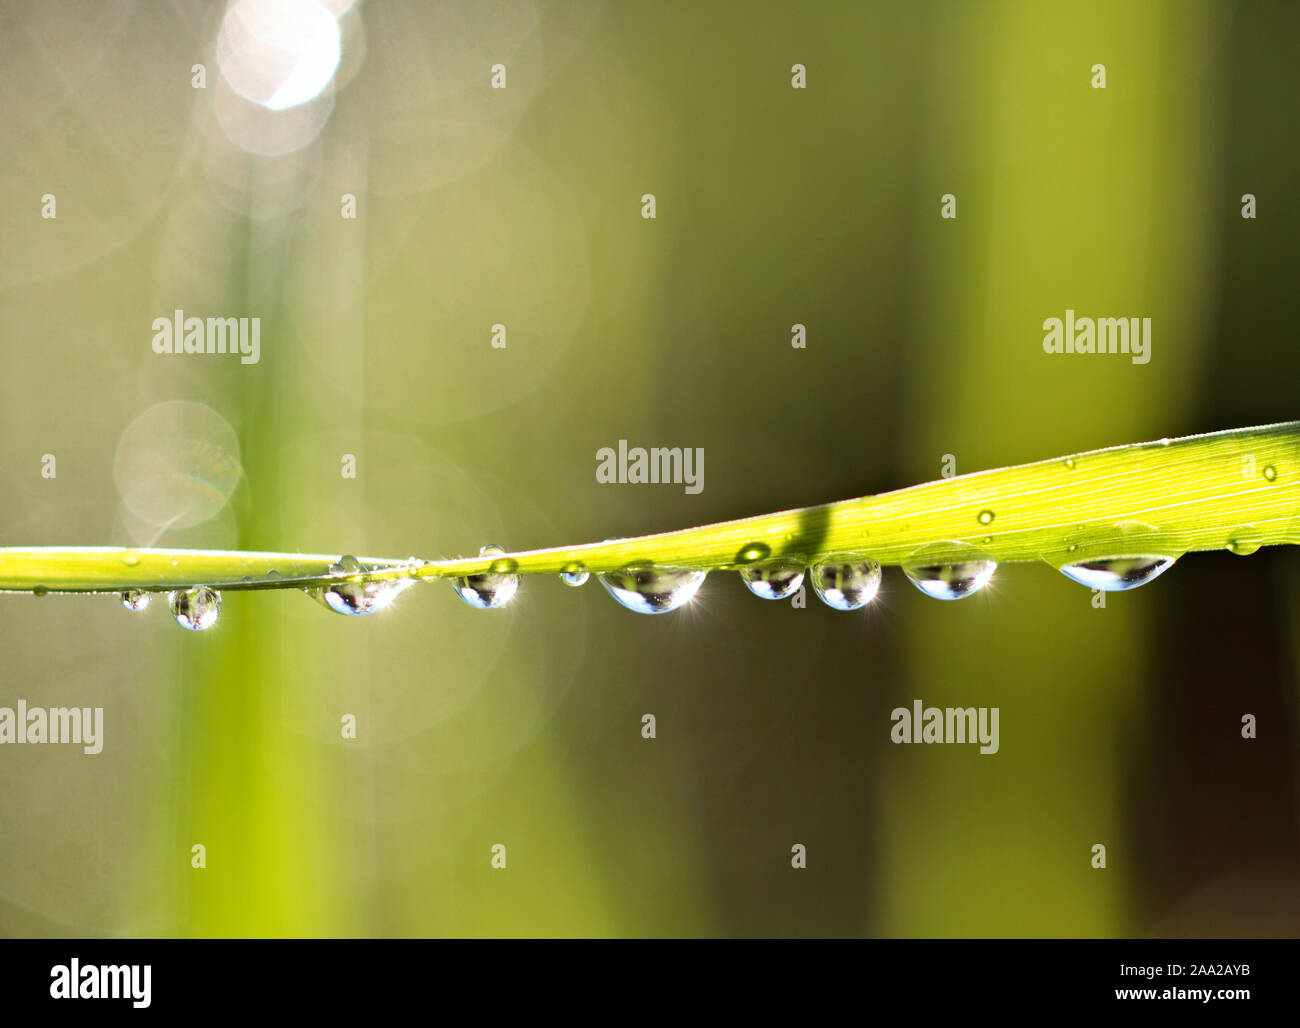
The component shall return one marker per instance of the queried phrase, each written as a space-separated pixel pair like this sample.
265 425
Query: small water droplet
347 565
1069 463
273 573
1269 472
575 574
1116 574
949 571
652 590
985 517
845 581
356 599
135 599
775 581
40 590
195 609
490 589
1246 540
131 558
751 553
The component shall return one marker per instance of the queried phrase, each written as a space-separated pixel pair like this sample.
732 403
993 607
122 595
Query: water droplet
775 581
346 565
1115 574
135 599
195 609
1246 540
355 599
40 590
489 589
751 553
273 573
949 571
845 581
575 574
985 517
1270 472
652 590
130 558
1069 463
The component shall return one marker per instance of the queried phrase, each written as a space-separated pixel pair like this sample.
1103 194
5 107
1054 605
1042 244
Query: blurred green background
522 206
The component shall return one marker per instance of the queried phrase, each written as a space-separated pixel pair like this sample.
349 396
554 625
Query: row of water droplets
844 581
195 609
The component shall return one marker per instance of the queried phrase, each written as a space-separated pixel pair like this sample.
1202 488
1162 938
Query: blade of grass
1234 489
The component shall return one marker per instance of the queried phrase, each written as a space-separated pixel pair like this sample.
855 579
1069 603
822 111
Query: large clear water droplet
652 590
195 609
135 599
355 599
574 574
490 589
845 581
949 571
775 581
1116 574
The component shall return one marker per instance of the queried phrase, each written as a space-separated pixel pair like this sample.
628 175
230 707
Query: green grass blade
1238 489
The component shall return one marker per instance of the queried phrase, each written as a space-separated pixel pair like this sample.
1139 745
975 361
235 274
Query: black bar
922 977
